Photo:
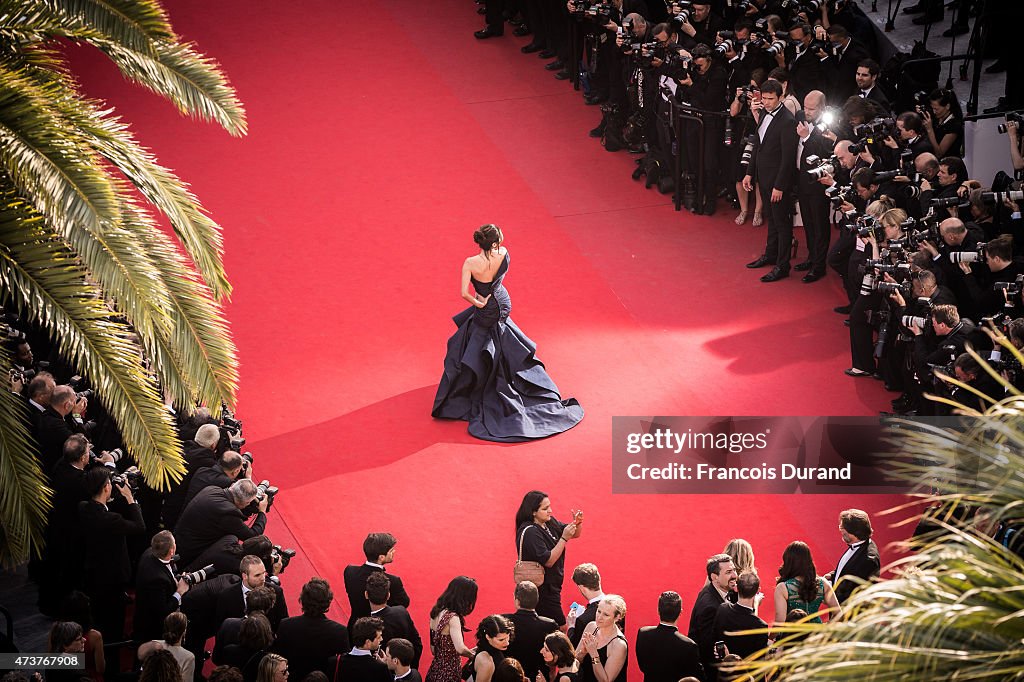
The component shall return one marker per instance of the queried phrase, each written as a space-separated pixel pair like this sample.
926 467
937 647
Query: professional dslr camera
230 430
749 142
1011 288
195 577
875 130
747 93
600 12
1014 116
977 254
131 477
822 167
679 11
282 556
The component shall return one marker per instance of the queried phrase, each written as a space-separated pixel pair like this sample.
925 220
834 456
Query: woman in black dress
944 124
604 646
493 636
492 378
543 538
560 656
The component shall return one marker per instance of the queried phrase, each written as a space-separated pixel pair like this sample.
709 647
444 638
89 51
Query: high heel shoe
741 218
758 220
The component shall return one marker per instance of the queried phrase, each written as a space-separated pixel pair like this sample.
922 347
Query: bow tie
864 93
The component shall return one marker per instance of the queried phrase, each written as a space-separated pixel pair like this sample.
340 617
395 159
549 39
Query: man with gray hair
55 426
810 194
198 453
226 471
216 512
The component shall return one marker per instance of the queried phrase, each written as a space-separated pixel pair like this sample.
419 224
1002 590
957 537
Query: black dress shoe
486 33
956 30
843 309
760 262
556 65
523 30
598 132
914 9
811 277
803 267
996 67
532 47
776 274
547 54
854 372
481 10
562 75
594 99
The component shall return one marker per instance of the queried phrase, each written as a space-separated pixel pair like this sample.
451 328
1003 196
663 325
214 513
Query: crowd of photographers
780 107
112 540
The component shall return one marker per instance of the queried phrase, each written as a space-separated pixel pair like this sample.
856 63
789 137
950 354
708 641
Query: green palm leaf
136 24
24 505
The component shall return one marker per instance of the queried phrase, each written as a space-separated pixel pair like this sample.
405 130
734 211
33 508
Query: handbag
527 570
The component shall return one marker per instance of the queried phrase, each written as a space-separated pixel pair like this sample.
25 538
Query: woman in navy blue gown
492 378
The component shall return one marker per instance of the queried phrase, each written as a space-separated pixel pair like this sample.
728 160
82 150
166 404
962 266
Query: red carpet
379 139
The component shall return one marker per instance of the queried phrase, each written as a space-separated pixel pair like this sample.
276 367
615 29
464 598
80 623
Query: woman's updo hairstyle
487 236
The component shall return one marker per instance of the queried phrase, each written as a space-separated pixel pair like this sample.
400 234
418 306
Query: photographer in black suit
774 165
231 603
811 193
222 474
200 452
397 621
108 568
530 629
379 549
309 640
860 561
158 590
56 425
216 512
663 653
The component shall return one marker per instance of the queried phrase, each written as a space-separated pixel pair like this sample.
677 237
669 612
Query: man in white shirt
860 561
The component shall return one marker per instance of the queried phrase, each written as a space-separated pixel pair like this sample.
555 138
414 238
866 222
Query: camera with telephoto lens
195 577
728 45
1014 116
884 176
968 256
776 47
679 11
946 202
131 477
1000 197
946 367
866 226
913 189
26 375
599 11
840 195
265 490
822 167
282 555
909 321
748 150
246 463
900 271
1011 288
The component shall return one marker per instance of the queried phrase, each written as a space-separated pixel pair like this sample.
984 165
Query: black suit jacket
876 95
398 623
774 159
702 624
413 676
806 73
207 519
666 655
355 586
51 433
734 618
842 73
362 669
231 604
106 552
309 642
864 564
530 629
816 145
205 477
154 597
196 457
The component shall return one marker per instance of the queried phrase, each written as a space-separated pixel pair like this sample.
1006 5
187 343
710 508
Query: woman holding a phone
543 539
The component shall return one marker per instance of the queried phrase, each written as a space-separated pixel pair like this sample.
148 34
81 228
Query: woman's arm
613 666
781 602
581 650
96 638
1013 133
559 548
455 632
831 601
943 146
483 667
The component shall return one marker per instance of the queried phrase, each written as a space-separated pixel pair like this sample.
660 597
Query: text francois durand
676 442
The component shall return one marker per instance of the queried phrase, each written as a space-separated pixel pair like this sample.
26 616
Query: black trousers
861 333
495 20
814 211
839 260
780 225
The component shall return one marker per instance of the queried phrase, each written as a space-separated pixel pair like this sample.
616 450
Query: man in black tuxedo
216 512
260 599
774 165
588 582
867 83
198 453
663 653
158 590
732 618
841 66
806 72
56 425
231 603
379 549
222 474
364 663
39 392
108 568
912 136
530 629
398 657
309 640
397 621
810 193
860 560
721 581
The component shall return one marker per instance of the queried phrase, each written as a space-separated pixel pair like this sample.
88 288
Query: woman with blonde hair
273 668
603 648
742 556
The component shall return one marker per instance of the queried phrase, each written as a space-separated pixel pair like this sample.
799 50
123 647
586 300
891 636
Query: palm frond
25 502
49 287
193 82
135 24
